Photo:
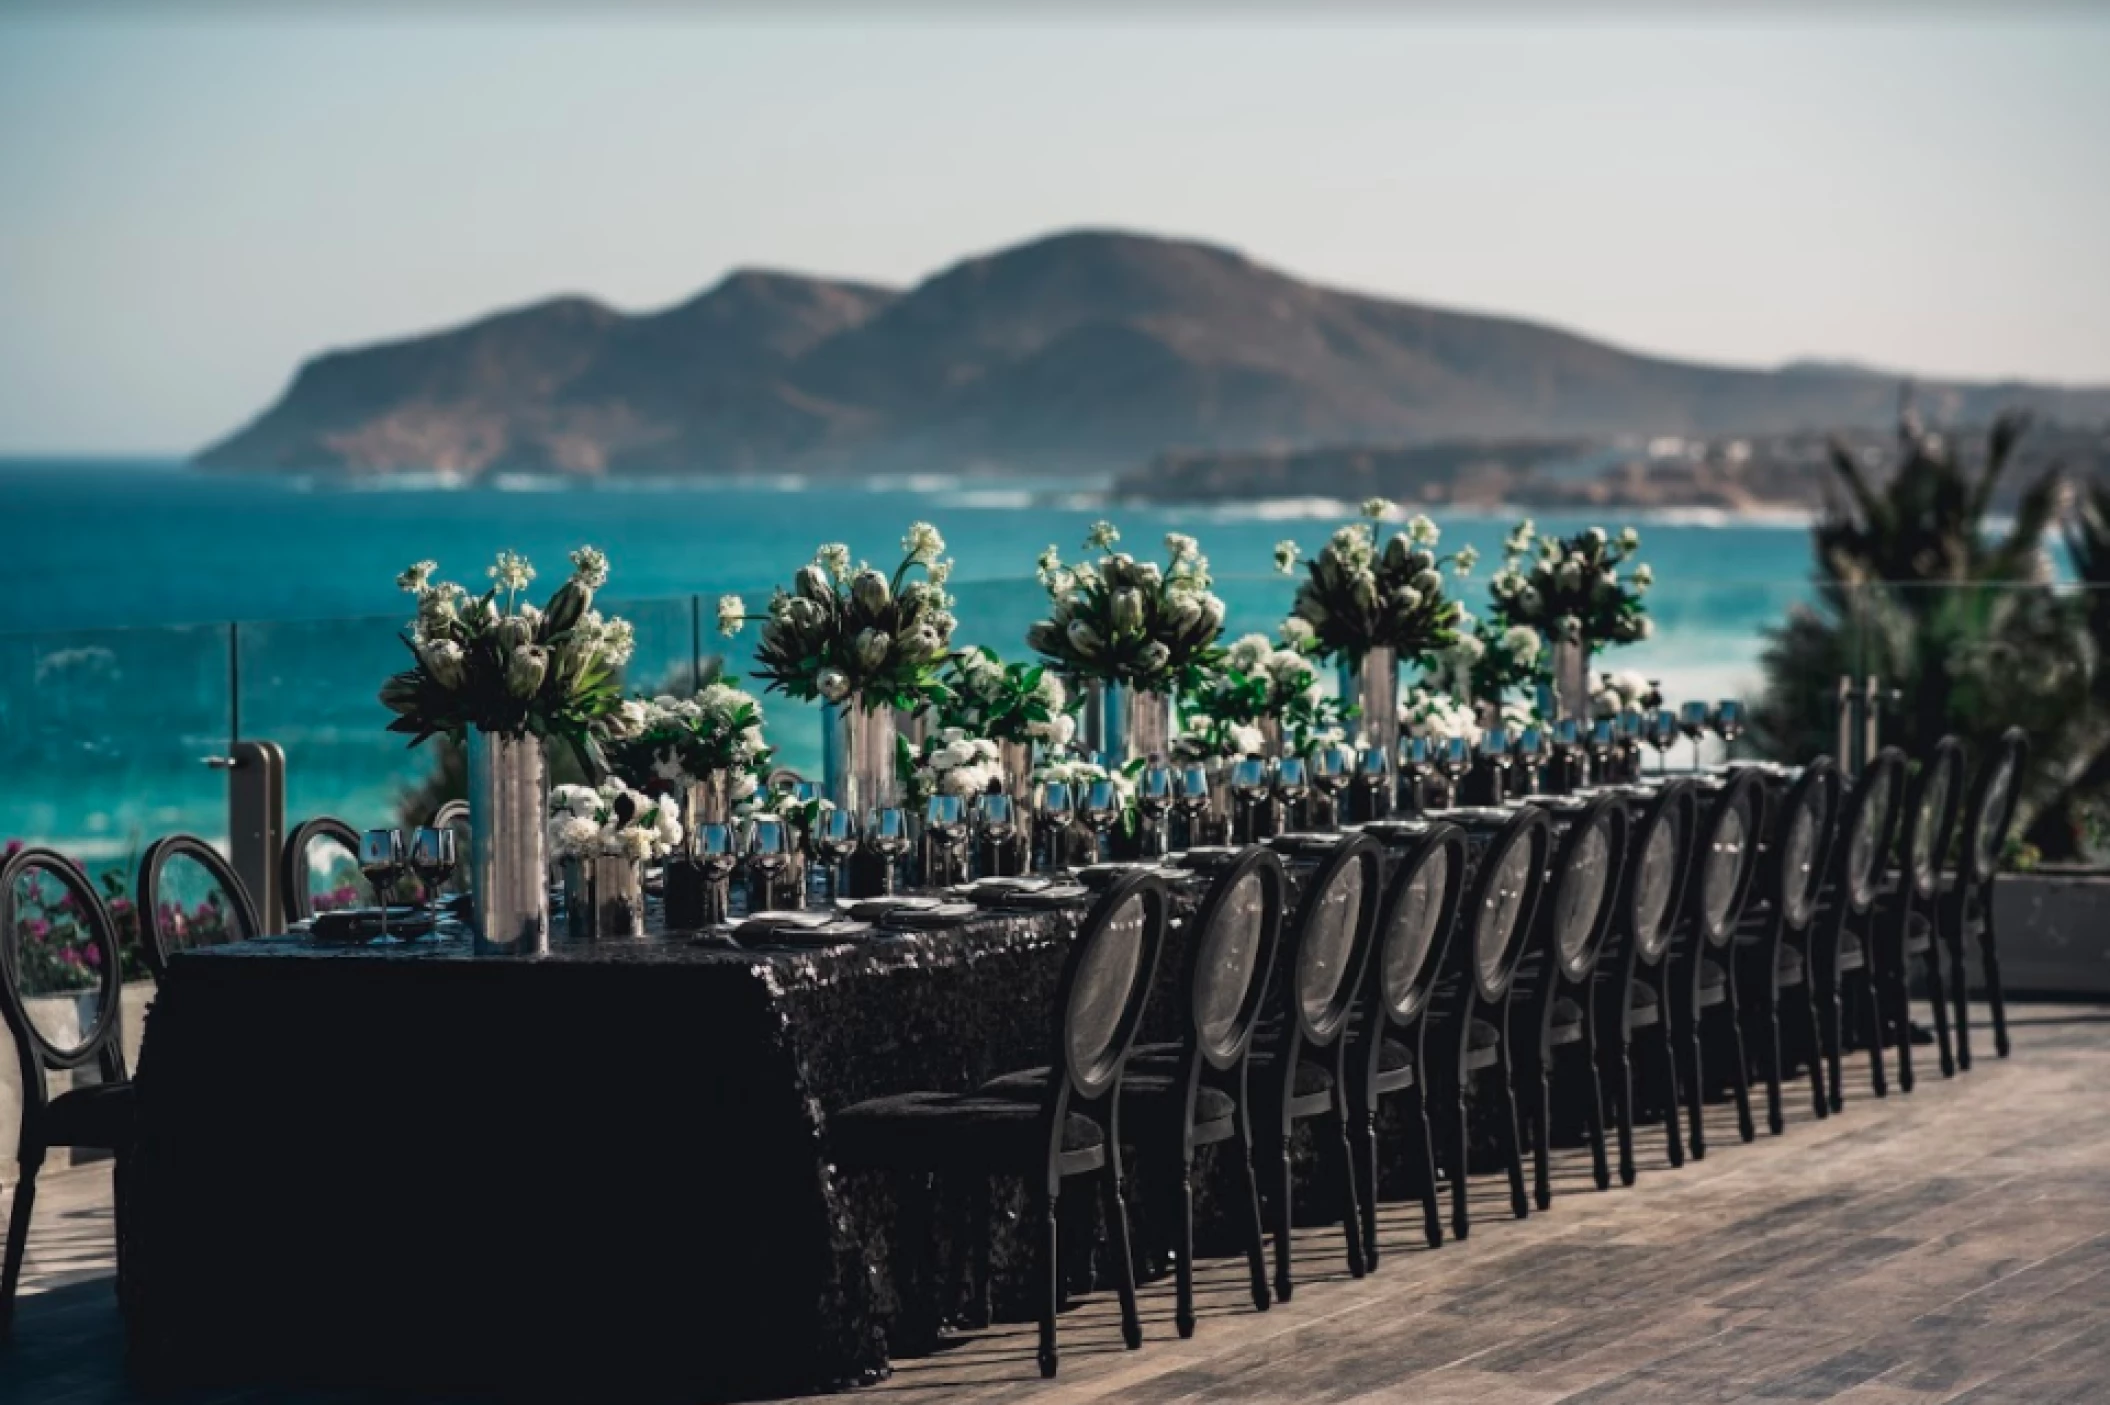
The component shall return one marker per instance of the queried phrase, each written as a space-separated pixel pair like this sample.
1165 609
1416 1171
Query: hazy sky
192 200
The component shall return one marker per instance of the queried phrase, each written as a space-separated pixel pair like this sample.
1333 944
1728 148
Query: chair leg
1461 1130
1899 1006
1123 1253
1868 996
1421 1155
1593 1111
1813 1046
1666 1063
1739 1070
17 1243
1989 957
1941 1009
1284 1284
1513 1148
1183 1270
1959 977
1541 1143
1256 1236
1364 1157
1692 1084
980 1231
1769 1028
1621 1078
1351 1213
1834 1009
1050 1276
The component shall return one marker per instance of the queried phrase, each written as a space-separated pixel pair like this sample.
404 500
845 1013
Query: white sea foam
1280 510
991 499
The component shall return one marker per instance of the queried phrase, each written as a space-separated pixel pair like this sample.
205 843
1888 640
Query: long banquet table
400 1164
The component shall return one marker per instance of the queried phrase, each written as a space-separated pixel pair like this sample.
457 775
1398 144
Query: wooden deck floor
1949 1246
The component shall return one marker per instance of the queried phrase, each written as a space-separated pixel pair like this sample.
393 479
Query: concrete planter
60 1014
2054 934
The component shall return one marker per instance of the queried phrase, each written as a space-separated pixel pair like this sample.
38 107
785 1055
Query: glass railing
104 734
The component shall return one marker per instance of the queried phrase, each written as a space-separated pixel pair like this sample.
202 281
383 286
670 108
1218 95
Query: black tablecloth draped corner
605 1169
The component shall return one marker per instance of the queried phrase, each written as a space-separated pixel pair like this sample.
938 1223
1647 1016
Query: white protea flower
1181 547
1643 576
1518 542
1629 539
1049 562
1102 536
416 577
511 572
1465 560
732 612
1423 531
834 558
589 567
1376 509
1286 553
618 642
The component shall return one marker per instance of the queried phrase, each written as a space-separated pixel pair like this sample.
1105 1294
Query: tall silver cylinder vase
508 871
1571 680
604 898
1016 761
857 754
1371 682
1123 723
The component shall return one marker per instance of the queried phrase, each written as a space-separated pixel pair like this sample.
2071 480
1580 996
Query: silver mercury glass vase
508 870
604 898
857 754
1571 680
1123 723
1371 682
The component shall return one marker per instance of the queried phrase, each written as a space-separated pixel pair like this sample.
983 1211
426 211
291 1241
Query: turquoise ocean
149 613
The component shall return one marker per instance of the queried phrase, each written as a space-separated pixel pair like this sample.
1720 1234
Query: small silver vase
1123 723
1371 682
1571 680
508 873
604 898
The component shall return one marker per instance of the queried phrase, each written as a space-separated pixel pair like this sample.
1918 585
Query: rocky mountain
1087 350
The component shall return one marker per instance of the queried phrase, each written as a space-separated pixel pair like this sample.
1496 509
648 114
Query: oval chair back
1099 1003
1799 844
165 928
1988 817
1549 999
1933 803
1725 857
1867 824
58 953
296 875
1772 946
1838 947
1228 963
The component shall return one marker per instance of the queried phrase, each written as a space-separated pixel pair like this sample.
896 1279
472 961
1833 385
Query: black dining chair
1414 925
1698 976
1773 934
1838 957
182 879
60 991
296 869
1627 1001
1549 1022
1906 904
1967 907
1299 1058
1193 1092
1074 1130
1465 1040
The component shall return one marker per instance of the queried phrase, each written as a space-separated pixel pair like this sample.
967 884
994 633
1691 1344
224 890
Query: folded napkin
363 924
819 927
930 919
1055 895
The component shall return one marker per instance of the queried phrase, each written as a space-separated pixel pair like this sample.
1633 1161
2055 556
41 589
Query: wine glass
1250 788
1193 799
1331 769
769 844
1692 721
1728 722
1631 727
1496 751
1102 806
1663 735
996 821
1373 777
1455 762
1054 811
945 825
381 860
887 838
1292 784
432 858
717 854
1155 795
834 841
1601 745
1415 764
1530 751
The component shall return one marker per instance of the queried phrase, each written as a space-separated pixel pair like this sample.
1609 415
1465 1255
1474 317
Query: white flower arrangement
1358 596
1425 712
611 820
1076 771
1126 620
950 762
1624 691
679 741
1571 588
1013 702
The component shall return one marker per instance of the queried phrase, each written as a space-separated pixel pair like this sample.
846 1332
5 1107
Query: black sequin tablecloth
599 1172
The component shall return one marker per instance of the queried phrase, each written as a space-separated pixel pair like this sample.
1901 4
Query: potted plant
501 676
1127 630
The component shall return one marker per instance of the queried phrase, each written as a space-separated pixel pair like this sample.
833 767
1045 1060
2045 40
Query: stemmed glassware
1531 753
1631 728
769 844
1415 766
1373 777
1054 812
1331 768
1692 721
1603 741
1102 806
1495 750
1192 799
1292 784
1455 763
1155 796
381 861
433 856
1728 723
887 838
717 854
1567 753
996 824
1663 735
834 841
945 827
1251 787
